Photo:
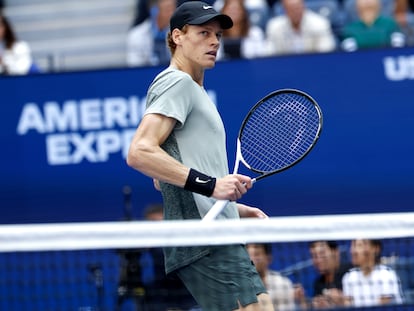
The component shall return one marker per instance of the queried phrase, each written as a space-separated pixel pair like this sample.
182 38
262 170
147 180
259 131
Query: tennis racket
277 133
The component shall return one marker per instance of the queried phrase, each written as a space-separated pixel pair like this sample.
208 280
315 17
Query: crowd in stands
363 281
261 28
276 27
355 277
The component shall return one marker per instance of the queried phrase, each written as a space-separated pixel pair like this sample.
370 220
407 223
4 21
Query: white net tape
140 234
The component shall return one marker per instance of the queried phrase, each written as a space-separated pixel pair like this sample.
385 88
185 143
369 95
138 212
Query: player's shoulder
170 77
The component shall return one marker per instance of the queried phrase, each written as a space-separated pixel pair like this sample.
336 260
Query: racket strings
279 132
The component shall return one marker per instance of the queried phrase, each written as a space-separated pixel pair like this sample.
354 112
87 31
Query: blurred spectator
405 19
243 40
258 11
326 258
146 41
142 12
299 30
370 283
280 288
15 55
351 11
371 29
327 287
164 292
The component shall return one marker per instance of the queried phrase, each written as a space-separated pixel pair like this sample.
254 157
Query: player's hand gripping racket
278 132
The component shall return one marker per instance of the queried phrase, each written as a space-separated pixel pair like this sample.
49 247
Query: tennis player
180 142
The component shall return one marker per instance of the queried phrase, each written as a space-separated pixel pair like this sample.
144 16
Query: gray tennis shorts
223 278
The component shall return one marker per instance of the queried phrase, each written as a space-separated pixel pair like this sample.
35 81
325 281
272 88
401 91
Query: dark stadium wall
64 137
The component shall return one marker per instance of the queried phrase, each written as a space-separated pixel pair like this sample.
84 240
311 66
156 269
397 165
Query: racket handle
218 207
215 210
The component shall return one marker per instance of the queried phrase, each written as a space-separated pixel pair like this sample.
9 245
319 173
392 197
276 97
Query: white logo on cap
206 7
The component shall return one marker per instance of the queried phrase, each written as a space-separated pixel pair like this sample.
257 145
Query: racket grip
215 210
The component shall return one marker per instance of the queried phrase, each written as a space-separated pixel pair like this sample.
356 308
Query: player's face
201 43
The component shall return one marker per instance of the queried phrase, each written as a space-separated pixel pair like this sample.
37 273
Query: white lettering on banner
57 120
90 114
399 68
31 118
85 130
89 130
87 114
93 147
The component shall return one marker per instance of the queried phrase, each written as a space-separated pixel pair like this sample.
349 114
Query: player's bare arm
146 156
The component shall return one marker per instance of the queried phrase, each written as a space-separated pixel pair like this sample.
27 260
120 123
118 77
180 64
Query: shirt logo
206 7
200 181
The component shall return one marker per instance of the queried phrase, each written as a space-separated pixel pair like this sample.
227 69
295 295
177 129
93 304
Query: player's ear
176 36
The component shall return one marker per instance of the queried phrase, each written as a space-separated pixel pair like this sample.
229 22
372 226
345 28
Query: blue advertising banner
65 136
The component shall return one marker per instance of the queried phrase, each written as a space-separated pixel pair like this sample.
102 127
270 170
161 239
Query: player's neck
196 72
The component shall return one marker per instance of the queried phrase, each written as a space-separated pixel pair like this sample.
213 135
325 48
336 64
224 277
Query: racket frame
239 155
220 204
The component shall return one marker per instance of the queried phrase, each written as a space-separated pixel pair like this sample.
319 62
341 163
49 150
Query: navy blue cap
197 13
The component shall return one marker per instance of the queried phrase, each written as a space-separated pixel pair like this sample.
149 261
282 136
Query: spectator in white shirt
280 288
15 55
370 283
299 30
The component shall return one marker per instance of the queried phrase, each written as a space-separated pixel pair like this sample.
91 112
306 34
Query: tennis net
115 265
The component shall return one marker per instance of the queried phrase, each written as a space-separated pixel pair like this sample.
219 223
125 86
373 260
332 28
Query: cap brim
224 20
